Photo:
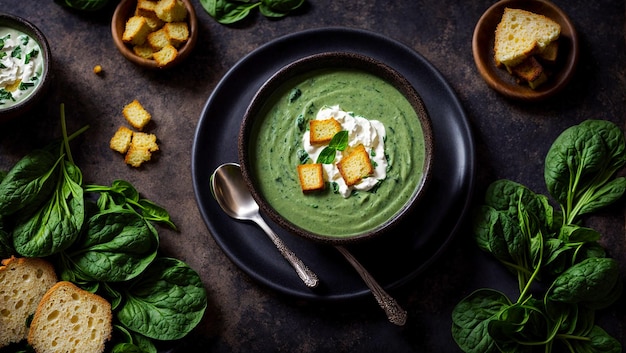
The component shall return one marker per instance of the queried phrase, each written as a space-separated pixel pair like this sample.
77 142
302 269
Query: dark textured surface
512 139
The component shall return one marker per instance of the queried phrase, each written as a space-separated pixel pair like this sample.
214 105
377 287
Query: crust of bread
23 282
70 319
311 177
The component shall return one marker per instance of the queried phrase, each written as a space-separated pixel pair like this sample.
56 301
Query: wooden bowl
503 82
255 116
125 10
32 99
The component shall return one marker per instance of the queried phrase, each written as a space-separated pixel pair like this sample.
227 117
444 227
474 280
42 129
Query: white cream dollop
15 68
369 133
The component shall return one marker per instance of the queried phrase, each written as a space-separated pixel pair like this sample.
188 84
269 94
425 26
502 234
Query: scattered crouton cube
121 139
137 156
311 177
322 131
136 115
355 166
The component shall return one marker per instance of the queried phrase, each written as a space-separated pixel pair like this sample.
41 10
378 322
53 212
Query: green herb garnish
339 142
17 53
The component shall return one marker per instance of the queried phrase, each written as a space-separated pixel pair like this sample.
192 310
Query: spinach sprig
108 245
232 11
562 271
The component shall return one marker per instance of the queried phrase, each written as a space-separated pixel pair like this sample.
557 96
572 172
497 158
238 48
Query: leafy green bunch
231 11
563 273
101 238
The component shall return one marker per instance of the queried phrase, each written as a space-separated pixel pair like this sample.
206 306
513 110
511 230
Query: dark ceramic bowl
125 10
332 60
503 82
22 25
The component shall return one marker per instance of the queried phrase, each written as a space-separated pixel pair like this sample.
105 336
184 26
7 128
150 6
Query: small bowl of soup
25 58
336 147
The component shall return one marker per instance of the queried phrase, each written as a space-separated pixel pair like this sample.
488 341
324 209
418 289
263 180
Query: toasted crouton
145 51
165 55
146 8
531 72
355 166
177 33
137 156
311 177
144 141
121 139
550 52
171 10
136 30
158 39
322 131
136 115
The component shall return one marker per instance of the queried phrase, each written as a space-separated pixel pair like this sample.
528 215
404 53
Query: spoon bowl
233 196
231 193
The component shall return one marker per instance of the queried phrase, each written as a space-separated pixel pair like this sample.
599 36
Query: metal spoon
228 188
233 196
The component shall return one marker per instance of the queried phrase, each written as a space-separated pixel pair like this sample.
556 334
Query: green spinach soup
278 149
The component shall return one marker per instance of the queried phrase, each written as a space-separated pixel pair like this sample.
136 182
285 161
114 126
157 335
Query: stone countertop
511 139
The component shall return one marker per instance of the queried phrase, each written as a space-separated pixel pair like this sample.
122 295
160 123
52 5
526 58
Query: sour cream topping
369 133
21 65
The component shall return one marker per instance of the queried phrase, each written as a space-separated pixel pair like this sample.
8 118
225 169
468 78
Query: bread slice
322 131
121 139
355 166
23 282
136 115
311 177
70 319
136 30
521 34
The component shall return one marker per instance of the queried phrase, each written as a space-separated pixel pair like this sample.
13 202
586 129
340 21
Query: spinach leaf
31 181
85 5
471 317
228 12
580 165
588 282
597 341
117 246
58 222
165 302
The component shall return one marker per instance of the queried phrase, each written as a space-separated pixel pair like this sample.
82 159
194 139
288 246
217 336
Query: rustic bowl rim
500 80
347 60
123 11
34 32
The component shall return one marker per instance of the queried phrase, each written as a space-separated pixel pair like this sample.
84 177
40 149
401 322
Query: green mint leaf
327 156
339 141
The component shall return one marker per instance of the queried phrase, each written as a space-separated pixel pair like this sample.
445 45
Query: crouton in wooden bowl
25 76
156 34
336 147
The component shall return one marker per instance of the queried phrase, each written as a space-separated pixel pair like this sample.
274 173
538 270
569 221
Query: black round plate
393 259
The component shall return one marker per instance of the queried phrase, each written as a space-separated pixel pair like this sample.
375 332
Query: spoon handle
308 277
394 311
